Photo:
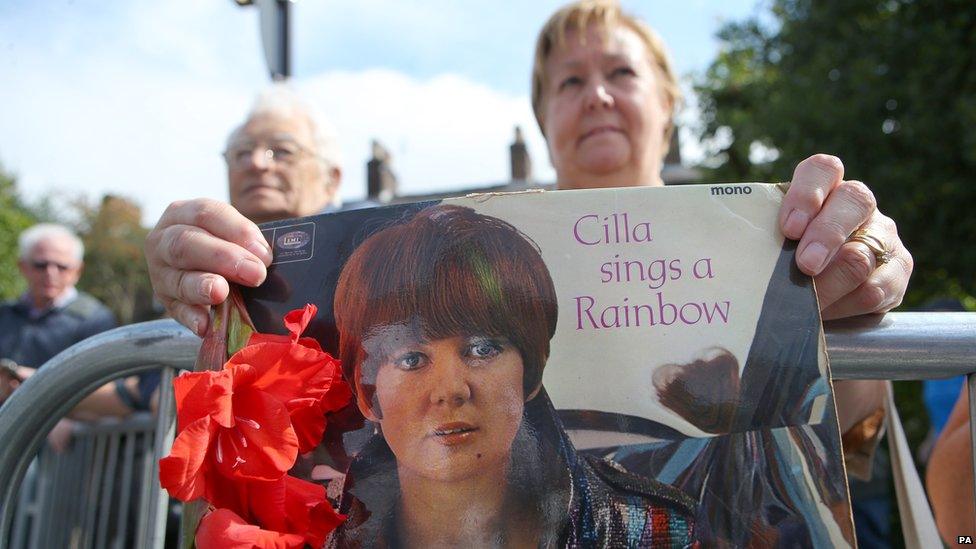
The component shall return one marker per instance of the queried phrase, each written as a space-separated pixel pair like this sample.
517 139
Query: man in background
282 162
52 314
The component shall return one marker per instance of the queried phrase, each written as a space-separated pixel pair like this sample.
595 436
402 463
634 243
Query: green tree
889 86
115 271
14 218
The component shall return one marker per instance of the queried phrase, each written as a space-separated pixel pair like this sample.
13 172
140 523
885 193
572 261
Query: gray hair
43 231
281 100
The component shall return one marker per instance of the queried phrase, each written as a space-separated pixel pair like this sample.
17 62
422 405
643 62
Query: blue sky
136 97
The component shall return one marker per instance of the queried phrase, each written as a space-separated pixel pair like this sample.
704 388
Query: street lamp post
275 24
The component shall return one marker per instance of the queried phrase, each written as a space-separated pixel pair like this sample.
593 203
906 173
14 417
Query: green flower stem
230 328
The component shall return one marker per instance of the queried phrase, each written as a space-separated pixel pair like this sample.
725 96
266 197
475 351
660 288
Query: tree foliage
115 270
14 218
889 86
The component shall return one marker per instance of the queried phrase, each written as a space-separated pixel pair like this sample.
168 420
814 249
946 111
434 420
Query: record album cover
620 367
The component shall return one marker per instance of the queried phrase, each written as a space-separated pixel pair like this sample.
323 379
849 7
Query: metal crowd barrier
896 346
63 382
94 494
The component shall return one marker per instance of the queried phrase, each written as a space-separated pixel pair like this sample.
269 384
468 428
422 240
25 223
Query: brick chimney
381 183
521 161
674 150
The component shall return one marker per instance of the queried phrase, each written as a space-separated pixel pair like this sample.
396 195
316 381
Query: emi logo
293 243
293 240
964 540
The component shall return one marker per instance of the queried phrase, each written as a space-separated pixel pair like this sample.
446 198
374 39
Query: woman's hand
195 249
821 210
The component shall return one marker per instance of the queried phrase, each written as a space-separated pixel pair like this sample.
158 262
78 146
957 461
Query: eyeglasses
43 265
285 152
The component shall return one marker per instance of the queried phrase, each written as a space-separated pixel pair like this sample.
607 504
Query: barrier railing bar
902 346
136 422
108 488
61 505
146 475
92 505
40 538
165 434
128 458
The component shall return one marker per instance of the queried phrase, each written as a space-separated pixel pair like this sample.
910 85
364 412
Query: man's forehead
275 127
266 137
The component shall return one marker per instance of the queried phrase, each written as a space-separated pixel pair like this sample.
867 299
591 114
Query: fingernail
795 224
251 272
206 287
260 248
813 257
195 327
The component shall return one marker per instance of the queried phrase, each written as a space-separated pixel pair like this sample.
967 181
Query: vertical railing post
165 433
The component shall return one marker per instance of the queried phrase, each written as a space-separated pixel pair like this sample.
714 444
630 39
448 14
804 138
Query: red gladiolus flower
297 506
224 529
228 427
241 430
284 508
298 373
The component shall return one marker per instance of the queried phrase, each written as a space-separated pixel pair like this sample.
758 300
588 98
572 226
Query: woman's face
450 407
604 111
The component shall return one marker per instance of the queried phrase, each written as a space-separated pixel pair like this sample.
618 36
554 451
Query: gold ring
882 255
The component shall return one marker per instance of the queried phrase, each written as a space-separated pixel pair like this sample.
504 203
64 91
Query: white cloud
446 132
157 138
137 98
139 135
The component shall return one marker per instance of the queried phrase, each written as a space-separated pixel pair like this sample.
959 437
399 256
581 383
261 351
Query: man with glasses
51 315
282 162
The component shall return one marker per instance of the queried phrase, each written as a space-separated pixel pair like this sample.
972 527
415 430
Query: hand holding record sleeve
194 250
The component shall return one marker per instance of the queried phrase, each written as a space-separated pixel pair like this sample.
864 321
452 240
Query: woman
604 95
444 327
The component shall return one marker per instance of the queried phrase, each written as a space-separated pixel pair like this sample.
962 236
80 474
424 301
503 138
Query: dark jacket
32 342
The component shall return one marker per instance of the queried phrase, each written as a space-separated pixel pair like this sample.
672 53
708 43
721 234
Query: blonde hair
605 14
